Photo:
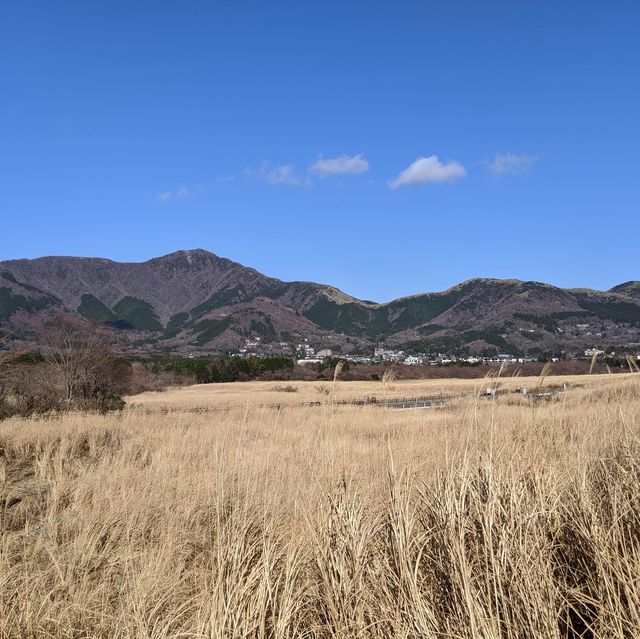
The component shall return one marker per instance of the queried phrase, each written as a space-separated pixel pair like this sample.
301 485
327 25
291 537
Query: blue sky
386 148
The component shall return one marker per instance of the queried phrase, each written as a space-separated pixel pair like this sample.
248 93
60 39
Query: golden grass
250 394
485 519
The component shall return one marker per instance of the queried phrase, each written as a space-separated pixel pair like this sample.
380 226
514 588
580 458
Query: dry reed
486 519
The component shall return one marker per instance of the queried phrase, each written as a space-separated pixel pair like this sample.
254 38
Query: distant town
304 354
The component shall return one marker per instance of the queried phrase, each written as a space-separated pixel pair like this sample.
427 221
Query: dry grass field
482 519
252 394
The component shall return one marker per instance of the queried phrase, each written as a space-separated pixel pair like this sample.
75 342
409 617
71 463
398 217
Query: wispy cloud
341 165
182 193
276 174
429 169
223 179
505 163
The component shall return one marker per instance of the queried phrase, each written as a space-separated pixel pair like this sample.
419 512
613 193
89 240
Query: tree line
207 370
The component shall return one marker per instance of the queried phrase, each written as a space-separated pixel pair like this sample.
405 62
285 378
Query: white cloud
278 174
505 163
225 178
180 194
429 169
342 165
184 192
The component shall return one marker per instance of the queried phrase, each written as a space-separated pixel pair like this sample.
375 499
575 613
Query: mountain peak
190 259
630 288
187 254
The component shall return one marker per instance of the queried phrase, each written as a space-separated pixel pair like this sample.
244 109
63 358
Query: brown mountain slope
631 289
196 300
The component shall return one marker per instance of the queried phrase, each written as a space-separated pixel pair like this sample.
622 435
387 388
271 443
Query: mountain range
194 300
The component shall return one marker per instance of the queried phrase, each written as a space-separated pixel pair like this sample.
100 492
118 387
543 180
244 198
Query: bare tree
6 357
76 351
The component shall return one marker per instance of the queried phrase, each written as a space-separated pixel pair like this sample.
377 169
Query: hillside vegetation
195 300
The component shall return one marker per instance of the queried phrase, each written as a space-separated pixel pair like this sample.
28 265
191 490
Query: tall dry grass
485 519
250 394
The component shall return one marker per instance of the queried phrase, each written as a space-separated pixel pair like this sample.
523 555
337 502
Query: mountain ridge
194 299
